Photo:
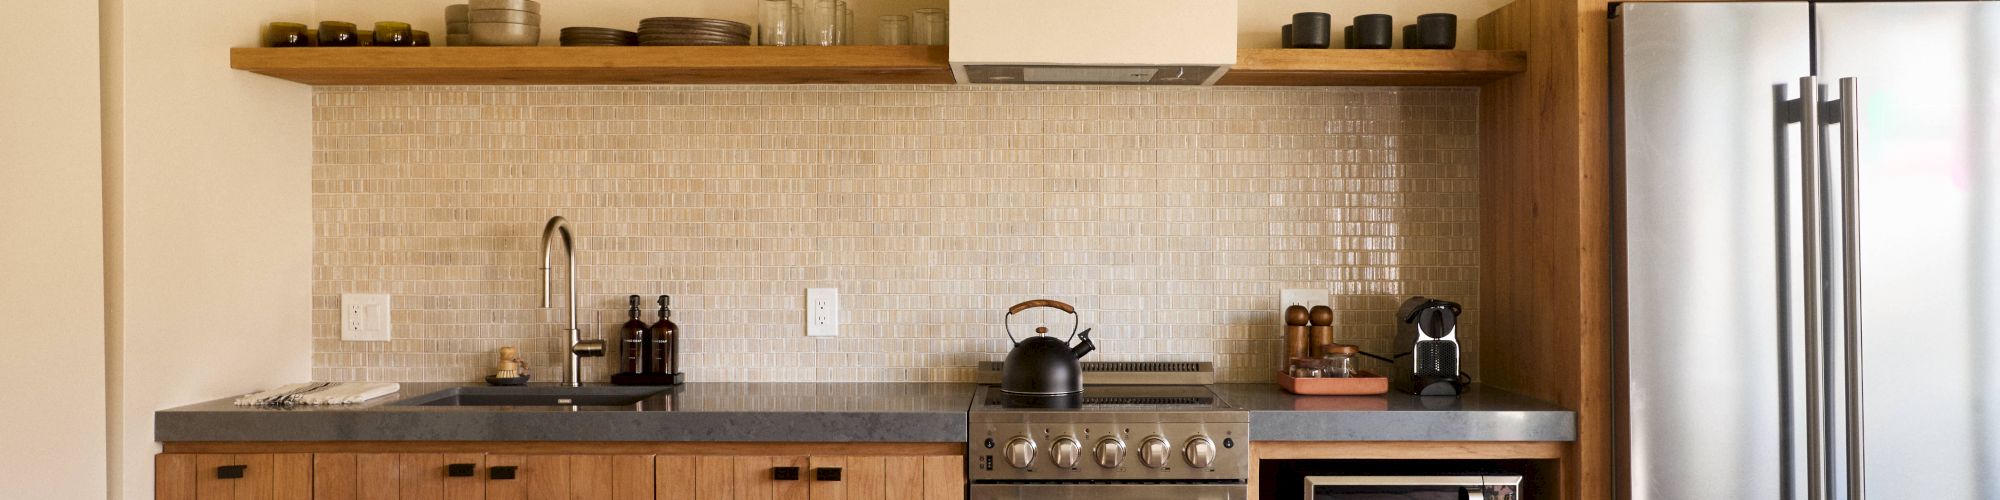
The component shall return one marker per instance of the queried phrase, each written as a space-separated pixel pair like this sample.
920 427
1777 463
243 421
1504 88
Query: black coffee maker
1427 348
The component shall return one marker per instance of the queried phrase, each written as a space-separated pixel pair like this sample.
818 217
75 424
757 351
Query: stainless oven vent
1125 372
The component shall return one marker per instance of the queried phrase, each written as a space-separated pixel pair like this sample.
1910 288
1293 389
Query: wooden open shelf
858 64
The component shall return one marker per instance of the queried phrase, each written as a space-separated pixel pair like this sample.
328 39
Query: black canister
1437 31
1350 38
1285 37
1410 36
1312 30
1374 31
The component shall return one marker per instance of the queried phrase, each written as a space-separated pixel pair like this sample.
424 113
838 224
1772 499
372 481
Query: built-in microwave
1413 487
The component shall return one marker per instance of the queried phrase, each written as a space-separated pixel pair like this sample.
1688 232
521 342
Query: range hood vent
1117 42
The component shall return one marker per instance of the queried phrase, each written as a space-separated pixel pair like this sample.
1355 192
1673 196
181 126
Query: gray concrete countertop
1482 414
777 412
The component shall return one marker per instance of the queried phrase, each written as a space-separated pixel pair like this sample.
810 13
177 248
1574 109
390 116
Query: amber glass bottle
633 335
666 338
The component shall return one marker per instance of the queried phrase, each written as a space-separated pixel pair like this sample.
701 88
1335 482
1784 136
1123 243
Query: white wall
211 219
51 273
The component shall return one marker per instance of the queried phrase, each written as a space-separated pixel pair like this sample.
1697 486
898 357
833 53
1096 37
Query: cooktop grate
1124 372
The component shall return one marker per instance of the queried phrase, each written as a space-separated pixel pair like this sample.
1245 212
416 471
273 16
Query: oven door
1413 487
1110 491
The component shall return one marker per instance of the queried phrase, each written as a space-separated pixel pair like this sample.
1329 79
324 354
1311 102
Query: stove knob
1064 452
1110 452
1020 452
1153 452
1200 452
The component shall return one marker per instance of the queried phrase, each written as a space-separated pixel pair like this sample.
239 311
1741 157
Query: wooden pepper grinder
1295 332
1321 330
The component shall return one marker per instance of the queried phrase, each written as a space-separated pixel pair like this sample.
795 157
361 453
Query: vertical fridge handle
1810 188
1850 275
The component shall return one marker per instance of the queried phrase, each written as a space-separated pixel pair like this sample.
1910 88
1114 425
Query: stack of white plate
504 22
457 25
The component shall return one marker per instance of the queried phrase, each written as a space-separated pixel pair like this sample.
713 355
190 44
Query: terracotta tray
1363 384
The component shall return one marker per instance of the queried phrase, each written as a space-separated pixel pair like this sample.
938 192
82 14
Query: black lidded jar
1374 31
633 335
1311 30
1437 31
664 339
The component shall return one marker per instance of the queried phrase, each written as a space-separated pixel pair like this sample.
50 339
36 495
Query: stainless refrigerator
1807 203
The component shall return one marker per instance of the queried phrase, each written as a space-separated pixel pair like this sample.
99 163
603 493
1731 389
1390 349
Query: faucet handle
588 348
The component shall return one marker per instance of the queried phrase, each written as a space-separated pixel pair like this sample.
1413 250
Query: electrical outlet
822 312
364 317
1307 297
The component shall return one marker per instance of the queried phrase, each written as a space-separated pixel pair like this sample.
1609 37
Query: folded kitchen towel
320 393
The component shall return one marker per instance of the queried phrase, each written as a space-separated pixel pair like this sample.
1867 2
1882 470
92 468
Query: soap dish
492 380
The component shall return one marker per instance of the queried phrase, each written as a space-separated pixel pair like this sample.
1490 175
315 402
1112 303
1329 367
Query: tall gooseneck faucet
577 347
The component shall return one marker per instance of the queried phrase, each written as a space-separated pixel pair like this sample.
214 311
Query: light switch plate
822 312
364 317
1307 297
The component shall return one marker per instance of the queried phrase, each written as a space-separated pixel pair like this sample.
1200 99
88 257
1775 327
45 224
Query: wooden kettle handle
1057 304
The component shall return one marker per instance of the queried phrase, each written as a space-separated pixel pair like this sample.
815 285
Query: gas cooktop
1107 398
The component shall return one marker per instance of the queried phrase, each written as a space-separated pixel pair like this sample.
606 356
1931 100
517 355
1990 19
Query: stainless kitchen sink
535 396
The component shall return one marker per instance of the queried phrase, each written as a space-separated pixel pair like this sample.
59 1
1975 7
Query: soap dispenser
634 336
665 338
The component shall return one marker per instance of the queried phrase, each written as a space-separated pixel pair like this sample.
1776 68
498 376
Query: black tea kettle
1041 365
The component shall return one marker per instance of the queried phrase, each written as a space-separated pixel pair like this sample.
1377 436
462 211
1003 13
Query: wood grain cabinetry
500 471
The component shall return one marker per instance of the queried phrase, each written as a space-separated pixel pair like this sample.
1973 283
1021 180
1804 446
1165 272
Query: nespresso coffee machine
1427 348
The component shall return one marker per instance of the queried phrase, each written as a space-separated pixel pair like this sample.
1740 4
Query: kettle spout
1084 347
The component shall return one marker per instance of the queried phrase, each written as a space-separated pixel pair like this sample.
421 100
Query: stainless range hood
1120 42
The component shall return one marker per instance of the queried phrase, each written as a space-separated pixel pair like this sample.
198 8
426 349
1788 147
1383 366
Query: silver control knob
1153 452
1020 452
1110 452
1064 452
1199 452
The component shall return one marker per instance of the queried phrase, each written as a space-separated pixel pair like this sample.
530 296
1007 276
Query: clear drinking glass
774 22
819 26
843 26
895 30
798 34
927 27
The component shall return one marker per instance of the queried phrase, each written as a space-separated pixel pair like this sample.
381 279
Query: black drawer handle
502 472
827 473
230 471
784 473
459 470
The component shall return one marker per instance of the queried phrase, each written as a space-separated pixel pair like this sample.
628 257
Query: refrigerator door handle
1810 207
1850 275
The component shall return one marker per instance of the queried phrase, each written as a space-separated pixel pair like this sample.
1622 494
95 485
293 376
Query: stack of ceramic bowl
457 25
505 22
582 36
692 31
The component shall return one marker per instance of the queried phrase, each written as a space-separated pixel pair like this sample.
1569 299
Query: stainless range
1111 442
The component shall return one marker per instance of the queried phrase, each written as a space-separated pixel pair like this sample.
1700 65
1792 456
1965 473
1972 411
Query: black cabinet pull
502 472
230 471
827 473
459 470
784 473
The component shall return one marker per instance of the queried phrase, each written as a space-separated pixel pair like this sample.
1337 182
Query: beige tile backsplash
1170 217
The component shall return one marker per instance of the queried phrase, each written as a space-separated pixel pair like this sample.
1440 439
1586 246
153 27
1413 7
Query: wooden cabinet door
891 477
567 477
206 476
398 476
731 478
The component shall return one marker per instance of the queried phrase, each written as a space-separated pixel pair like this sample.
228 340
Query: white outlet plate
364 317
1307 297
822 312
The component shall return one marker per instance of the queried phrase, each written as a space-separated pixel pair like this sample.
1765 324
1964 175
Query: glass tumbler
895 30
287 35
798 34
843 26
774 22
927 27
394 34
819 30
338 34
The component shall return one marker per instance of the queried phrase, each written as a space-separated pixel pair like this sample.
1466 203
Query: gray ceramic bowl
458 40
506 16
505 34
457 28
456 13
527 5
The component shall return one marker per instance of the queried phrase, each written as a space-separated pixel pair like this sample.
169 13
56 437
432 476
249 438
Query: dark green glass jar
394 34
287 35
338 34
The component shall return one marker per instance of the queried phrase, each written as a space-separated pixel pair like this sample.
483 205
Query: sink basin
535 396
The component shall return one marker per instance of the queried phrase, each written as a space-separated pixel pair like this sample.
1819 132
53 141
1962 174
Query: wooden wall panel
421 476
632 477
944 477
547 476
715 477
291 476
905 476
674 478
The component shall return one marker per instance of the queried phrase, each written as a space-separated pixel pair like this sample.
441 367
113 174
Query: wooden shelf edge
857 64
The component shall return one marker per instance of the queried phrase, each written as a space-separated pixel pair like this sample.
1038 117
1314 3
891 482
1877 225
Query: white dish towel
321 393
